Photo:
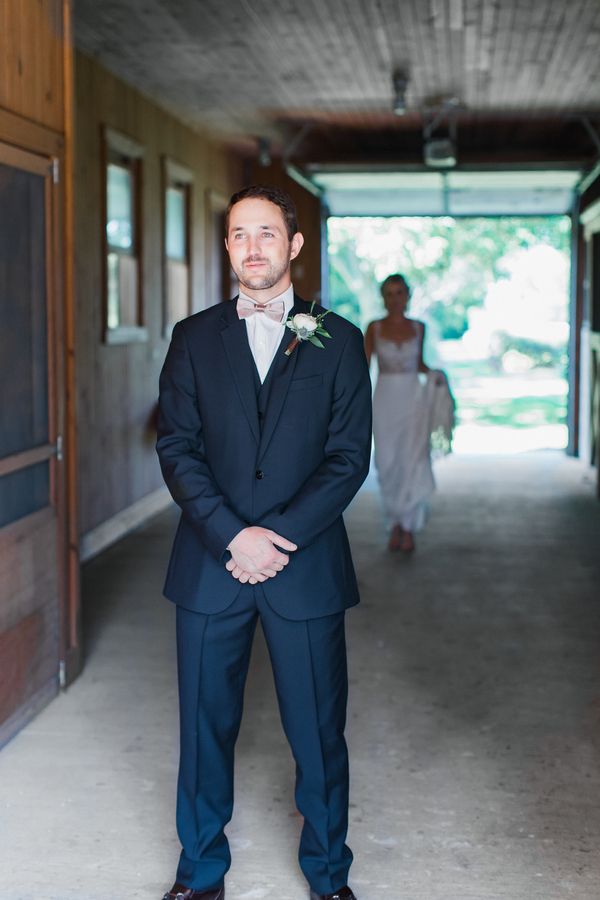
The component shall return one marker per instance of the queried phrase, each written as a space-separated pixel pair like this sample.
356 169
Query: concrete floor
474 726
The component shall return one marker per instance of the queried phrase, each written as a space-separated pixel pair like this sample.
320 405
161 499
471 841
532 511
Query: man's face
259 248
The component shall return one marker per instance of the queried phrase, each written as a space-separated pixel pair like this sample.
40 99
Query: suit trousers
309 666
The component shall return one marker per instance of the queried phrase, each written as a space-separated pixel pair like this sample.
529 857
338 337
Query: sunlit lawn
507 413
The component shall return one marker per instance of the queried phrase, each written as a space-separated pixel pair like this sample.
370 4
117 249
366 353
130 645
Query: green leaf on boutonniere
315 340
322 331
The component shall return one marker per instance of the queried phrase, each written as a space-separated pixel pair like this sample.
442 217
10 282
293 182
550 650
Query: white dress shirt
264 335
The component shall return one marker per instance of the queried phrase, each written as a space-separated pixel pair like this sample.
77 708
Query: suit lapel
281 375
241 361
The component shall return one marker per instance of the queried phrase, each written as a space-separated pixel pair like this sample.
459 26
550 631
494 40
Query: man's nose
253 246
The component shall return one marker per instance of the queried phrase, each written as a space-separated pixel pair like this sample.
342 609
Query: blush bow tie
274 310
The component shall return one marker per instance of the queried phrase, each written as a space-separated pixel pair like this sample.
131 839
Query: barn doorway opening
494 295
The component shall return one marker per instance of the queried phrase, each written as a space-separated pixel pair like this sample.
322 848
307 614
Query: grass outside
510 413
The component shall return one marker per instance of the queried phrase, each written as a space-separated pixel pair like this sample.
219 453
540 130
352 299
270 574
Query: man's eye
267 234
238 237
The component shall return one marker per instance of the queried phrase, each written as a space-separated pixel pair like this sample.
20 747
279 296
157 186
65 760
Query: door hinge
55 170
62 674
59 448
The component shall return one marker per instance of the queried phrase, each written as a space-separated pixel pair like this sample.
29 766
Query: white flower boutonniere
307 327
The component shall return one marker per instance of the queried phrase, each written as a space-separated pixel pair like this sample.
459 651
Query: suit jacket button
259 474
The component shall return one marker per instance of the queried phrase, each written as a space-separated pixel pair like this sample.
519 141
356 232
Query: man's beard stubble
265 280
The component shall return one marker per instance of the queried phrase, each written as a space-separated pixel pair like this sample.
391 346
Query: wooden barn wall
588 342
306 271
117 384
32 61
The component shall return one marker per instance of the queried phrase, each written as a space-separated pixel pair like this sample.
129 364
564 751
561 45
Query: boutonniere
307 327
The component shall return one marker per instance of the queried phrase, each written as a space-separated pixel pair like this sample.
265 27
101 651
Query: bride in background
407 409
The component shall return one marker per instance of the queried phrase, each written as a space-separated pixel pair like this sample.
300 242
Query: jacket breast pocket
310 381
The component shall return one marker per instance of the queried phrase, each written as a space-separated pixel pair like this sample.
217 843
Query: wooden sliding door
32 509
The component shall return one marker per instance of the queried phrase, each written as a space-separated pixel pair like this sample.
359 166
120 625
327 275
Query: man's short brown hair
274 195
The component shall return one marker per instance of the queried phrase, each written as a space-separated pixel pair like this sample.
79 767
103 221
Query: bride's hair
396 278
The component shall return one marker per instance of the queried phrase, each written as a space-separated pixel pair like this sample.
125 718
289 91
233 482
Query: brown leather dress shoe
343 894
181 892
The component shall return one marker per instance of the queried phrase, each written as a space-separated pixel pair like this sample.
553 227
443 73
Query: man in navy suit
262 449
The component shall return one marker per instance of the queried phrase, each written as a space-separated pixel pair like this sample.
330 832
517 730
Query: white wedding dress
404 403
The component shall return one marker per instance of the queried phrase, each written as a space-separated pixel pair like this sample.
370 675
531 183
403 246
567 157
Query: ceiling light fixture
264 151
439 134
439 153
400 85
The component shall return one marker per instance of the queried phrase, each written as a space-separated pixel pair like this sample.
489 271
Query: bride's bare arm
422 366
440 378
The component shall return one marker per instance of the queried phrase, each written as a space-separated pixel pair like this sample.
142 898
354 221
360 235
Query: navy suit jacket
294 471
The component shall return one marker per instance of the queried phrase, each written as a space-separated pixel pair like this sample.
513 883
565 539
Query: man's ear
226 244
296 245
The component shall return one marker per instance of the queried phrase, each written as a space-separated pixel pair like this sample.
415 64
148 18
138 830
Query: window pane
176 224
177 291
23 326
113 305
128 299
24 492
119 207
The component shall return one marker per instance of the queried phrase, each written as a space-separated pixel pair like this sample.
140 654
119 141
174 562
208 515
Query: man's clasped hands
255 554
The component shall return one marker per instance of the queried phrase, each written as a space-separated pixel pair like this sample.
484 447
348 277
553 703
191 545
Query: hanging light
439 134
400 85
264 151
